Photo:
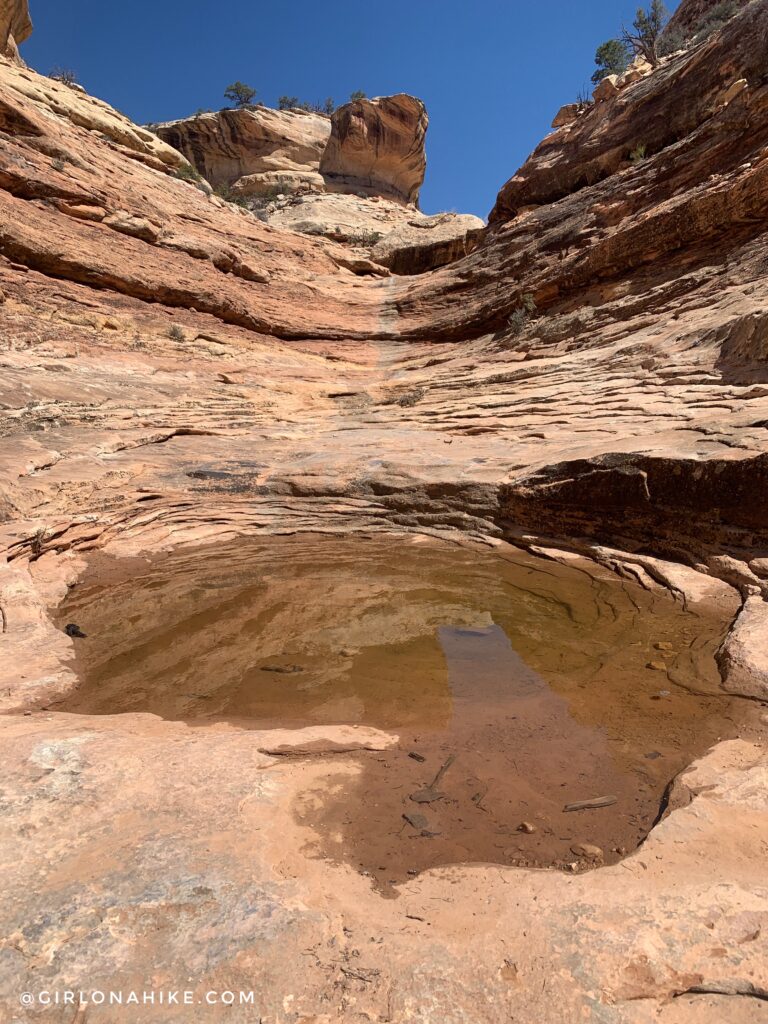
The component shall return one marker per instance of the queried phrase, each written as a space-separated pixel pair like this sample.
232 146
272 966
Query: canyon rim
232 344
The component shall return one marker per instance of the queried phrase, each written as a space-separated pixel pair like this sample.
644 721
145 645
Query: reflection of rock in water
527 678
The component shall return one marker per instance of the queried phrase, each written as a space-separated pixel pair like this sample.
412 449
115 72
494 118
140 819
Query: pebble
417 821
588 850
527 827
657 666
663 645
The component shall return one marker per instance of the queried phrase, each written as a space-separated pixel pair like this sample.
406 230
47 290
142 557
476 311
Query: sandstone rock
29 92
377 147
256 149
423 243
744 655
606 89
318 739
130 224
587 850
734 89
15 26
83 211
355 220
567 114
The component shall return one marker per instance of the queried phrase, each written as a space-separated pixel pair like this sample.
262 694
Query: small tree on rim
648 26
240 94
611 57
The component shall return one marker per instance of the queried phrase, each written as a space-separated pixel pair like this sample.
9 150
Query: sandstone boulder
606 89
15 26
377 148
744 654
567 114
255 150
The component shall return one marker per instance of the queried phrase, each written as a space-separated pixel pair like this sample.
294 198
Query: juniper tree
611 57
240 94
647 28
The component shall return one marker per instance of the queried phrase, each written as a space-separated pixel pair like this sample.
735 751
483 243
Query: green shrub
226 193
671 42
358 94
638 154
188 173
519 317
714 19
368 238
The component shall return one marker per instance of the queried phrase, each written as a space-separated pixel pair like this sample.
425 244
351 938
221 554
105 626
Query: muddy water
535 685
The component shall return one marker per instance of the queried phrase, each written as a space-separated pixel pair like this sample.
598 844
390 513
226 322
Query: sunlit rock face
368 147
254 149
15 26
377 147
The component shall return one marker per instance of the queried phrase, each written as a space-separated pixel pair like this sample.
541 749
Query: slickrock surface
176 370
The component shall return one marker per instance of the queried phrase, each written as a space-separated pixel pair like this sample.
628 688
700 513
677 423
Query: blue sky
492 72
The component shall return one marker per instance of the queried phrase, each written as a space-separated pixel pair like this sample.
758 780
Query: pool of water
533 685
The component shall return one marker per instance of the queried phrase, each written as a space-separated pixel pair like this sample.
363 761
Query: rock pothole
539 709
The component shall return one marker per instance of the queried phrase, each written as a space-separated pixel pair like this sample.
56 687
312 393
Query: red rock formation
377 147
15 26
255 150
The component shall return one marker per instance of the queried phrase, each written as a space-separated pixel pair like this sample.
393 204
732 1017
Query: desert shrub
187 173
175 333
519 317
226 193
358 94
638 154
364 237
714 19
410 398
294 103
58 164
611 58
671 42
646 32
240 95
64 75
